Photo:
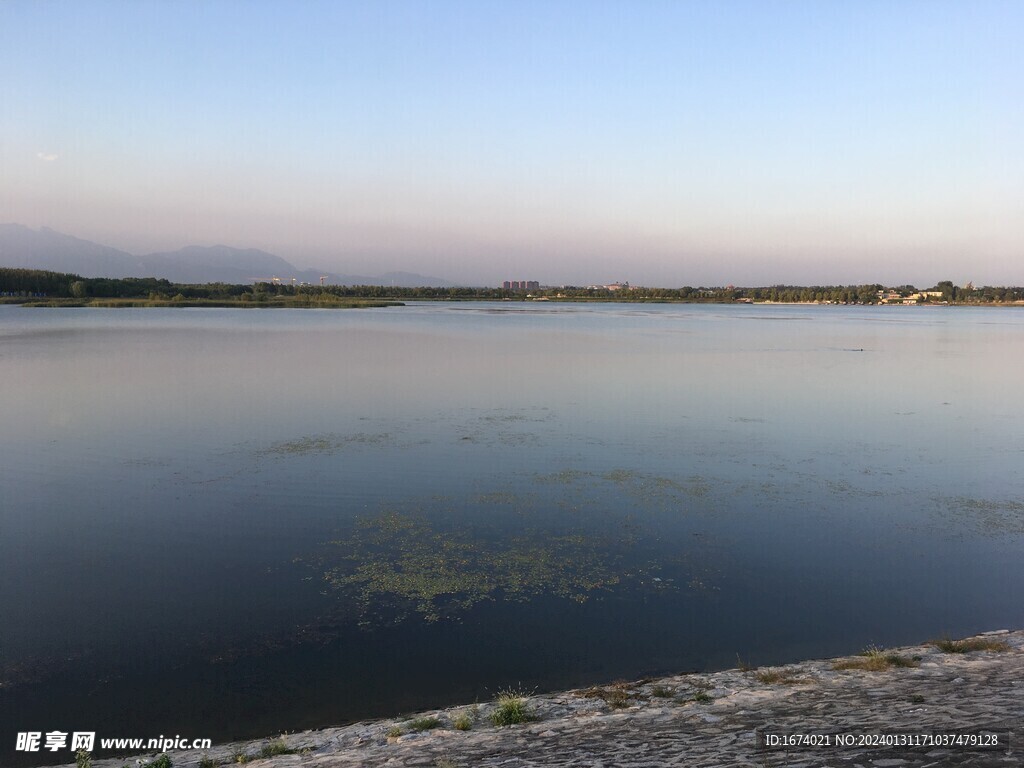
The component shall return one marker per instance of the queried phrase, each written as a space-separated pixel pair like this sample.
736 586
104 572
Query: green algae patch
988 517
398 564
565 477
643 487
302 446
571 535
326 444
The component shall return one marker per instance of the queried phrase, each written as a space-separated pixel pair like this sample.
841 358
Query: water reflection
618 489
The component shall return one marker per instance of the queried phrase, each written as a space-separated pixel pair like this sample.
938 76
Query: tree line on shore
34 283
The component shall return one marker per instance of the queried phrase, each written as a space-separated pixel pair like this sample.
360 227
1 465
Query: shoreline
698 719
359 302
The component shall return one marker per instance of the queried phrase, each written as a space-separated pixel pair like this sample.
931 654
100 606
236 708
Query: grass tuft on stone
274 748
424 723
615 696
776 677
463 720
875 660
971 644
512 709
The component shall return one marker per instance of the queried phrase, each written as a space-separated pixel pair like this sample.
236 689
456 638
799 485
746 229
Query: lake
226 523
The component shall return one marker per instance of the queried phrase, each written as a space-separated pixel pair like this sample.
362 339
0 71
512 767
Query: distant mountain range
23 247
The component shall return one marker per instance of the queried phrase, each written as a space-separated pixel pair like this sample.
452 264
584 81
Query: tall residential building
521 285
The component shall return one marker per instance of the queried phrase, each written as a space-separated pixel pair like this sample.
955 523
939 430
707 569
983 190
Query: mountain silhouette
21 246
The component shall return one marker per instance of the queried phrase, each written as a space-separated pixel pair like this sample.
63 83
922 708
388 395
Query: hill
47 249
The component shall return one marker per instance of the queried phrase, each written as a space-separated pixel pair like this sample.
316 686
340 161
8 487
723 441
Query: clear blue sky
663 143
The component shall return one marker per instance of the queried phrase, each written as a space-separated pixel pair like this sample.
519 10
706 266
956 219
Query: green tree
948 290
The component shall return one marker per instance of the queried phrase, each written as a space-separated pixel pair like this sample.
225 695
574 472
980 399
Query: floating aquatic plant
397 563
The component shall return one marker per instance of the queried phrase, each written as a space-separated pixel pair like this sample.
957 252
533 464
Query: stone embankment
724 718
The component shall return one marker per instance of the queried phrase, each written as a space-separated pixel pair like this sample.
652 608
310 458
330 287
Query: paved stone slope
703 720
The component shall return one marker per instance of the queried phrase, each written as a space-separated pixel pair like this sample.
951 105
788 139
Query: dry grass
424 723
616 695
971 644
465 718
875 660
777 676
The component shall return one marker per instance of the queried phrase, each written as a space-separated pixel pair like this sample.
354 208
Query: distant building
520 285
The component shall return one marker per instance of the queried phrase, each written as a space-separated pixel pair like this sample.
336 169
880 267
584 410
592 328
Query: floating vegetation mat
327 444
597 535
644 487
397 565
985 516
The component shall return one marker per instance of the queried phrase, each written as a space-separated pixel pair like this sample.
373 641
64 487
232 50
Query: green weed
463 720
511 709
424 723
774 676
875 660
971 644
277 747
616 696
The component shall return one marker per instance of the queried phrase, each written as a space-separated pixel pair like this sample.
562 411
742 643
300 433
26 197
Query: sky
663 143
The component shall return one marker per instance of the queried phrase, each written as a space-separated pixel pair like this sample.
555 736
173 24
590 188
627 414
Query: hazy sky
664 143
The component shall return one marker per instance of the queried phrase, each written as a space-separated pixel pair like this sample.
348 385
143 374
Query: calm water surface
227 523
